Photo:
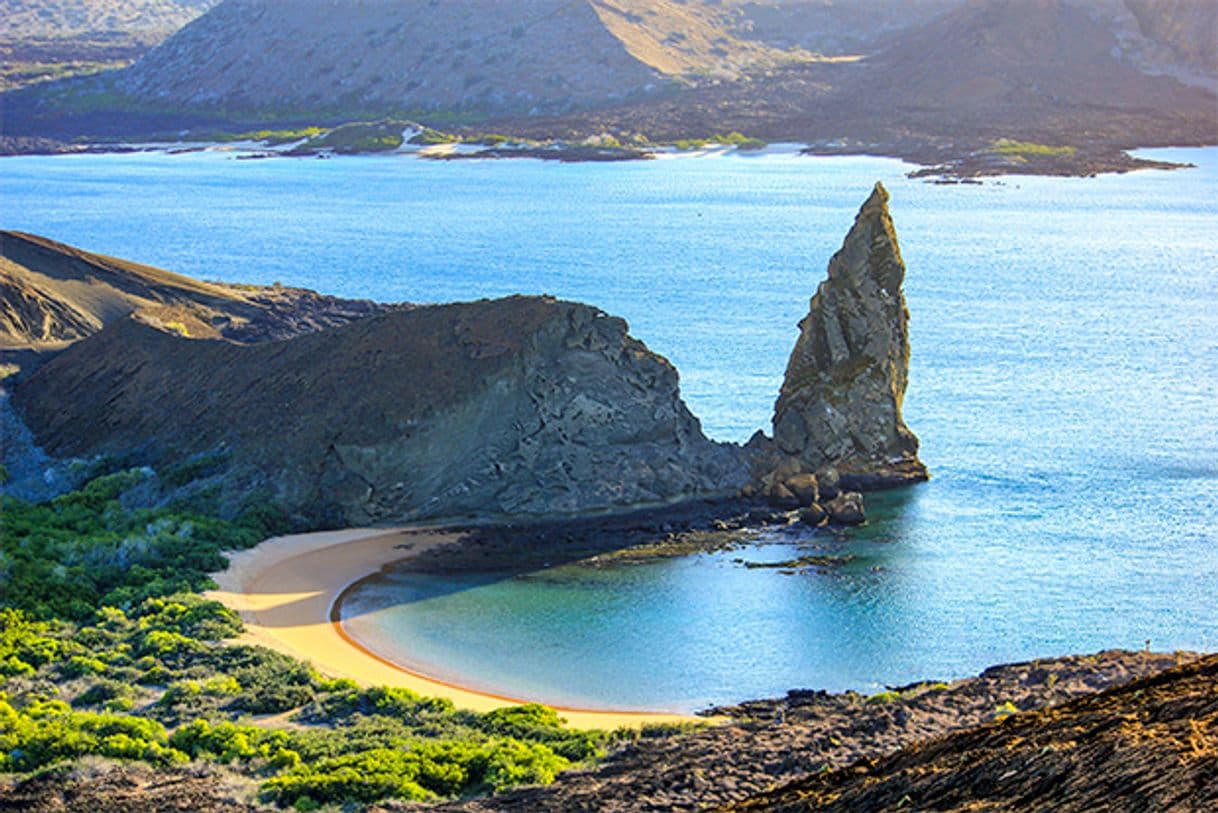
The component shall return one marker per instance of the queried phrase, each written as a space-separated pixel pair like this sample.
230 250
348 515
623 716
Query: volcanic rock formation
840 403
516 406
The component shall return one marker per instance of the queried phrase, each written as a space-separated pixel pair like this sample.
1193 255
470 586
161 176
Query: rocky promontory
518 406
352 413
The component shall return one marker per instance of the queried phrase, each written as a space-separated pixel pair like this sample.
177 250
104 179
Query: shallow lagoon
1064 382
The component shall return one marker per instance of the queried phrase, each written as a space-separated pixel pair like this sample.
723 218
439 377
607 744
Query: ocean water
1064 384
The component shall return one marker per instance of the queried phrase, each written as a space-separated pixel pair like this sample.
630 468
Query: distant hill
43 40
1045 73
48 19
1179 37
292 56
933 81
831 27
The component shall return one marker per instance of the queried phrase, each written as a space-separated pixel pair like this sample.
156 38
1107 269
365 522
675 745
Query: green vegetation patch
732 139
1028 149
106 650
359 137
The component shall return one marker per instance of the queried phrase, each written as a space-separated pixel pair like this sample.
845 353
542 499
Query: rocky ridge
52 293
521 406
814 737
1151 744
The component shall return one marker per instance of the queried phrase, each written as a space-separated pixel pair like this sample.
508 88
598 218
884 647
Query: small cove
1064 382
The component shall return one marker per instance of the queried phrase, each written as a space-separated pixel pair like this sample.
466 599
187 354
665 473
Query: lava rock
846 509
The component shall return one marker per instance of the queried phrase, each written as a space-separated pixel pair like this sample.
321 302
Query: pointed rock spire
840 403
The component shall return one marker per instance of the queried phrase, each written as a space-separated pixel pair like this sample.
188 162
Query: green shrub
49 731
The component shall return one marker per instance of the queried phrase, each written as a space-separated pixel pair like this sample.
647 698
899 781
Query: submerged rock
840 403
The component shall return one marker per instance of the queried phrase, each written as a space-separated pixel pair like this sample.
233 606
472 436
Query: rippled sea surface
1064 385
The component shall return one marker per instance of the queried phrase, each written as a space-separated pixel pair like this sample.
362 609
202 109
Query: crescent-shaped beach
288 590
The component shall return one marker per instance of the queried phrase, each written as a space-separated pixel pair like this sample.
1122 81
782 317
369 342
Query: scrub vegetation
107 650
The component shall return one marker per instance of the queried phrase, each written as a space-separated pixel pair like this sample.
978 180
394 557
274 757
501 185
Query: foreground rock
840 403
770 743
1149 745
521 406
1118 733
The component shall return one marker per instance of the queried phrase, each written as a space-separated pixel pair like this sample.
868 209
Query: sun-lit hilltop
484 55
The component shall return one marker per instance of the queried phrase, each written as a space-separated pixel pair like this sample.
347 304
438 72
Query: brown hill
52 293
1041 71
473 55
515 406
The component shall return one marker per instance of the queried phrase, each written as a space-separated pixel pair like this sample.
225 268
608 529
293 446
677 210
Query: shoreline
927 163
288 591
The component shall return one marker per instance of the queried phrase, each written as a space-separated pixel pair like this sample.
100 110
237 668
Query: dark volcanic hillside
1150 745
514 406
402 56
52 293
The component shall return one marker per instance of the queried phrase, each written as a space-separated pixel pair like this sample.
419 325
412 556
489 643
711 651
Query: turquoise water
1063 383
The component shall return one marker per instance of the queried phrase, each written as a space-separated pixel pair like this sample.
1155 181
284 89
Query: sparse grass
733 139
881 698
430 137
272 137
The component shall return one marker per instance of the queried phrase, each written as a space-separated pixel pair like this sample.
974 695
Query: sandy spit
285 590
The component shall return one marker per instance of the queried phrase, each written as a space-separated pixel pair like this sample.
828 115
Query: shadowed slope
516 406
1149 745
52 293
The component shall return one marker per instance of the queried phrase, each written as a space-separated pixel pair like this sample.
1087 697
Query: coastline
288 589
929 163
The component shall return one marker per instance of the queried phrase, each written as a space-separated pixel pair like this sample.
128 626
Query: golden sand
286 588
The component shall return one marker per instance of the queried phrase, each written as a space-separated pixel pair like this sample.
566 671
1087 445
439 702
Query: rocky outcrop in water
840 404
520 406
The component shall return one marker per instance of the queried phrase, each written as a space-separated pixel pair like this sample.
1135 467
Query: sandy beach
285 590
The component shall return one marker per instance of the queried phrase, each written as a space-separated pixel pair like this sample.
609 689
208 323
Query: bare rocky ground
1149 745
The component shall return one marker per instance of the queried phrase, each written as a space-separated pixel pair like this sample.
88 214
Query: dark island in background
964 87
